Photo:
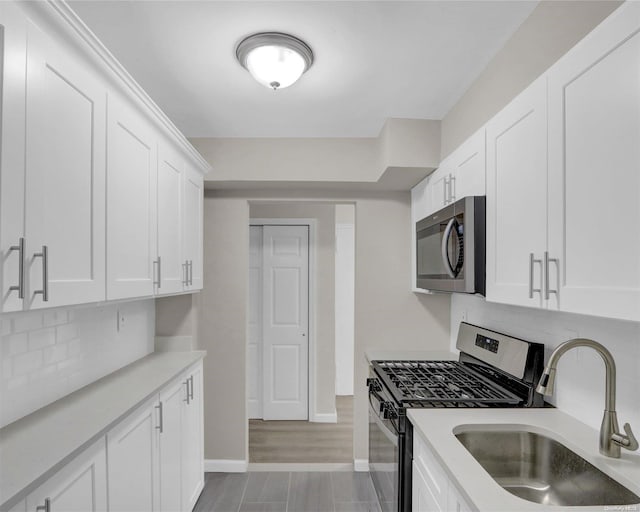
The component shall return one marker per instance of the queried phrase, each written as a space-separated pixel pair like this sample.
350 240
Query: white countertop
36 446
385 354
437 428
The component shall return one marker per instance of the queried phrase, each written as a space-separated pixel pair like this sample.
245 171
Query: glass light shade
274 59
275 67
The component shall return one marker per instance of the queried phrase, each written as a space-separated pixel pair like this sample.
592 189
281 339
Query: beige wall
548 33
403 143
387 314
222 327
325 290
175 316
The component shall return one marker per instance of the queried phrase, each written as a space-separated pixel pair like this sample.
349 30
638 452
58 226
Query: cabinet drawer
431 469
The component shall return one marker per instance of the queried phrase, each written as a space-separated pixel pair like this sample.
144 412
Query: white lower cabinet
193 447
156 457
133 461
81 486
432 490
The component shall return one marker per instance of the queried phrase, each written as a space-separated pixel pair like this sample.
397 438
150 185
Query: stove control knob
388 411
374 384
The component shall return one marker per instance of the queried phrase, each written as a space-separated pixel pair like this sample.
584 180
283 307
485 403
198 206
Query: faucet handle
628 442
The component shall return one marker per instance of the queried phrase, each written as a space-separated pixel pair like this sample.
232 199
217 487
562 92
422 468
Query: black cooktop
441 384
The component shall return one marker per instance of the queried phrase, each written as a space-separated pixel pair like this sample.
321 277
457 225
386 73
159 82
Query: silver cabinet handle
45 273
190 268
20 286
185 273
188 397
547 290
452 183
46 507
191 388
533 290
445 186
160 425
158 271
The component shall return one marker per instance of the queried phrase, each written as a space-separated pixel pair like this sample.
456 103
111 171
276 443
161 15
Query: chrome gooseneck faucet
611 440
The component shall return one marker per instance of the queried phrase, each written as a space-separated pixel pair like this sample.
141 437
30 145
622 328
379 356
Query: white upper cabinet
517 199
594 171
12 177
65 177
468 168
193 228
89 210
131 203
171 178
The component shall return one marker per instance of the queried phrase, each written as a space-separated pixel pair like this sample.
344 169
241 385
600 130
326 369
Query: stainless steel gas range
493 370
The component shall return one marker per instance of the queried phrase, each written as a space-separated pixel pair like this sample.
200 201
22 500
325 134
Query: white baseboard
305 466
225 466
331 417
361 465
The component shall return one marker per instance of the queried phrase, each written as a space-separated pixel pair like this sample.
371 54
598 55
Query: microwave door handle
445 252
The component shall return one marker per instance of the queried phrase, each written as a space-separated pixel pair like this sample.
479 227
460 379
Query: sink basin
539 469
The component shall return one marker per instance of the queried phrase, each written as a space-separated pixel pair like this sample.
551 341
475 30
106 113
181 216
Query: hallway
303 441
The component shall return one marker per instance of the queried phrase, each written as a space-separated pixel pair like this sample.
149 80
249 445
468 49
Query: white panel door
193 197
192 436
285 322
171 446
81 486
517 198
254 324
132 448
594 172
170 266
12 172
131 203
65 176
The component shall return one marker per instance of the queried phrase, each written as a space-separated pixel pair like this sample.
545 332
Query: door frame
311 370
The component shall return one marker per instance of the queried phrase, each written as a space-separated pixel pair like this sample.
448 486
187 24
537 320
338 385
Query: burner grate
442 384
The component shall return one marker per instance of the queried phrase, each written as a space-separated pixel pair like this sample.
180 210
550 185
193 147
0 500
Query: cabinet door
193 197
131 203
594 171
171 445
193 450
468 165
439 191
171 175
81 486
12 172
422 500
132 448
65 176
456 503
517 198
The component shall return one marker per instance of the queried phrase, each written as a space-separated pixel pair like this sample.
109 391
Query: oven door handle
388 433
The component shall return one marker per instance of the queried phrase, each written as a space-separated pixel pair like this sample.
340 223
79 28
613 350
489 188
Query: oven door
384 454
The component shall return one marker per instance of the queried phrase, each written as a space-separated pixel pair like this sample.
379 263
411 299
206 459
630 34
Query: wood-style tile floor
302 441
340 491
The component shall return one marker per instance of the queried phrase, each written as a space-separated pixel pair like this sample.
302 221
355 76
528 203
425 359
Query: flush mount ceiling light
274 59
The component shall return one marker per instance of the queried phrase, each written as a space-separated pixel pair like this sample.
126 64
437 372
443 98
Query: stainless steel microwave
450 247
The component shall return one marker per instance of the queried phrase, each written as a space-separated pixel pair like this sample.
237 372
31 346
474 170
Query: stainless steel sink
537 468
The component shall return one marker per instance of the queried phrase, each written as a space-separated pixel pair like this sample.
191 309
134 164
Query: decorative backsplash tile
45 355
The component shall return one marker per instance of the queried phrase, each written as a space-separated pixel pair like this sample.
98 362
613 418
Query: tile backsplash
580 382
45 355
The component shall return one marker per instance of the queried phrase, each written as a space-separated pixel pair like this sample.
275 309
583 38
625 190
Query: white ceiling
373 60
